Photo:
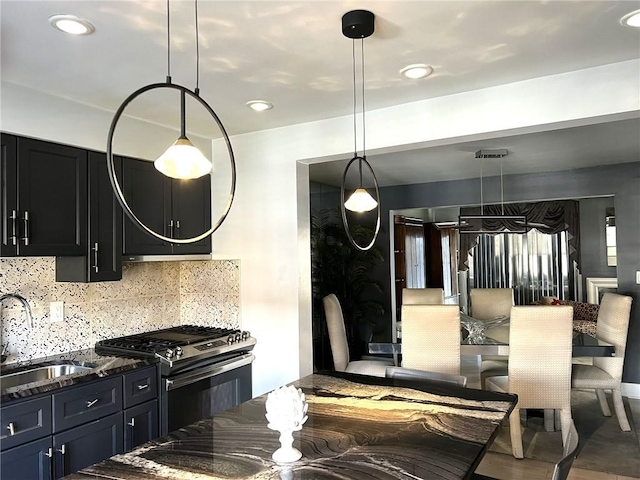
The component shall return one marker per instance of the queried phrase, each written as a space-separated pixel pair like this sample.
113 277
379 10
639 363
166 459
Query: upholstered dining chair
340 347
488 303
431 338
539 372
403 373
422 296
606 372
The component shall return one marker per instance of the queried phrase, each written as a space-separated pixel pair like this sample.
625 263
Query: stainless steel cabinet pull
95 257
49 453
25 239
14 227
142 387
132 423
177 228
63 451
171 229
92 403
11 428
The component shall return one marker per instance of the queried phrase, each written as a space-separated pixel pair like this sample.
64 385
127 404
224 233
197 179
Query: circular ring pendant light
359 24
164 163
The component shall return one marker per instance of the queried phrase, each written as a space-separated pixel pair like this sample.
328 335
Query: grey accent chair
431 338
606 372
430 377
340 347
540 344
563 467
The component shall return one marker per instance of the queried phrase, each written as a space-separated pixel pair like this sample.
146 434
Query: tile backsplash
149 296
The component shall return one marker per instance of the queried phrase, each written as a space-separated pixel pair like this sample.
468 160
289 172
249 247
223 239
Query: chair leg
618 406
516 433
565 422
604 406
549 420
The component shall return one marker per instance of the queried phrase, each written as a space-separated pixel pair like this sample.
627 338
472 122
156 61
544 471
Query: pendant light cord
481 195
197 90
355 131
364 148
168 45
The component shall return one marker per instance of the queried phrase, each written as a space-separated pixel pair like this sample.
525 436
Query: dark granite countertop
358 428
102 366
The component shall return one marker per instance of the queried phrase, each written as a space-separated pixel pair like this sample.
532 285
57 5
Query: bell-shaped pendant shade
183 160
360 201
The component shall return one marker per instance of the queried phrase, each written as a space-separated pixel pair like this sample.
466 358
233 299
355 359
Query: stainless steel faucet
27 310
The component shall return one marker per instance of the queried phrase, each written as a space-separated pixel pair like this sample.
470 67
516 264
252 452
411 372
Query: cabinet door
103 259
8 196
141 424
191 213
148 193
52 199
31 461
88 444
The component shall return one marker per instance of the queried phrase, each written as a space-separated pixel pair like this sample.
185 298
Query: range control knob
245 335
231 339
179 351
169 353
238 337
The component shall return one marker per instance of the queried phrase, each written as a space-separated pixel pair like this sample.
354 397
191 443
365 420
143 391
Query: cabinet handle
12 429
142 387
177 228
132 423
14 227
63 451
171 229
49 453
92 403
26 228
95 257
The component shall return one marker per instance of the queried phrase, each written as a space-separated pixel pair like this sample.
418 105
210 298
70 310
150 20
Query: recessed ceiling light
71 24
631 19
418 70
260 105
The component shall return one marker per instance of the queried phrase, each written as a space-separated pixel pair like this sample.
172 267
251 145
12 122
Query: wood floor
506 467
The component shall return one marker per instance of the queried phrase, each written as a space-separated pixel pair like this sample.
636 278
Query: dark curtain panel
548 217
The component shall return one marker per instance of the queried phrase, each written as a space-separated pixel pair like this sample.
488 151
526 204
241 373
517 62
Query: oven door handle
194 376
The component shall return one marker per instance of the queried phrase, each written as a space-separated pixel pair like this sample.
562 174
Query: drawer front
24 421
140 386
87 403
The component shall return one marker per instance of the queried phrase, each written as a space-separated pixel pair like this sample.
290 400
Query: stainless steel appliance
203 370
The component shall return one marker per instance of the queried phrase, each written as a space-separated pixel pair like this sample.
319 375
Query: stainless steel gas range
203 370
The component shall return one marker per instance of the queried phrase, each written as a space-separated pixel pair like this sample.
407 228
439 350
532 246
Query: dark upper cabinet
173 208
103 258
44 191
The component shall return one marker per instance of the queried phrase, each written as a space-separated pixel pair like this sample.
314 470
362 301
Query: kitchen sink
41 372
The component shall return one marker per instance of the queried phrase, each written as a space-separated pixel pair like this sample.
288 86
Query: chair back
612 327
422 296
337 332
488 303
431 338
562 468
540 344
422 375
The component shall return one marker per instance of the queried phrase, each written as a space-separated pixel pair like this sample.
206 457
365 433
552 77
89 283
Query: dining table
583 345
358 427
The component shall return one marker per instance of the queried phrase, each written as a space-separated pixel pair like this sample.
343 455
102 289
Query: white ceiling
294 55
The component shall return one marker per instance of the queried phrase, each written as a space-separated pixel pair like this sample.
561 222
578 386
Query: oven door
201 392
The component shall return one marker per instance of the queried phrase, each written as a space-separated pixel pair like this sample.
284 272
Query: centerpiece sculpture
286 412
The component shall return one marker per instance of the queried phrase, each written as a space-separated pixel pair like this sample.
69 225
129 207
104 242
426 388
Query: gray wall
593 246
622 181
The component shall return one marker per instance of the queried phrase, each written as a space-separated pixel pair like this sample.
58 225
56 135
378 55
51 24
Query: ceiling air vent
496 153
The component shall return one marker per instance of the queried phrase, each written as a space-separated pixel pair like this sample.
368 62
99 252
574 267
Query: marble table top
359 427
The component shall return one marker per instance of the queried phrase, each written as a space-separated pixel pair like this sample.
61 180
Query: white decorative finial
286 412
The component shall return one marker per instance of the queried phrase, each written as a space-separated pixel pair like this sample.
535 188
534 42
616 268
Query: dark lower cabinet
88 444
33 461
141 424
